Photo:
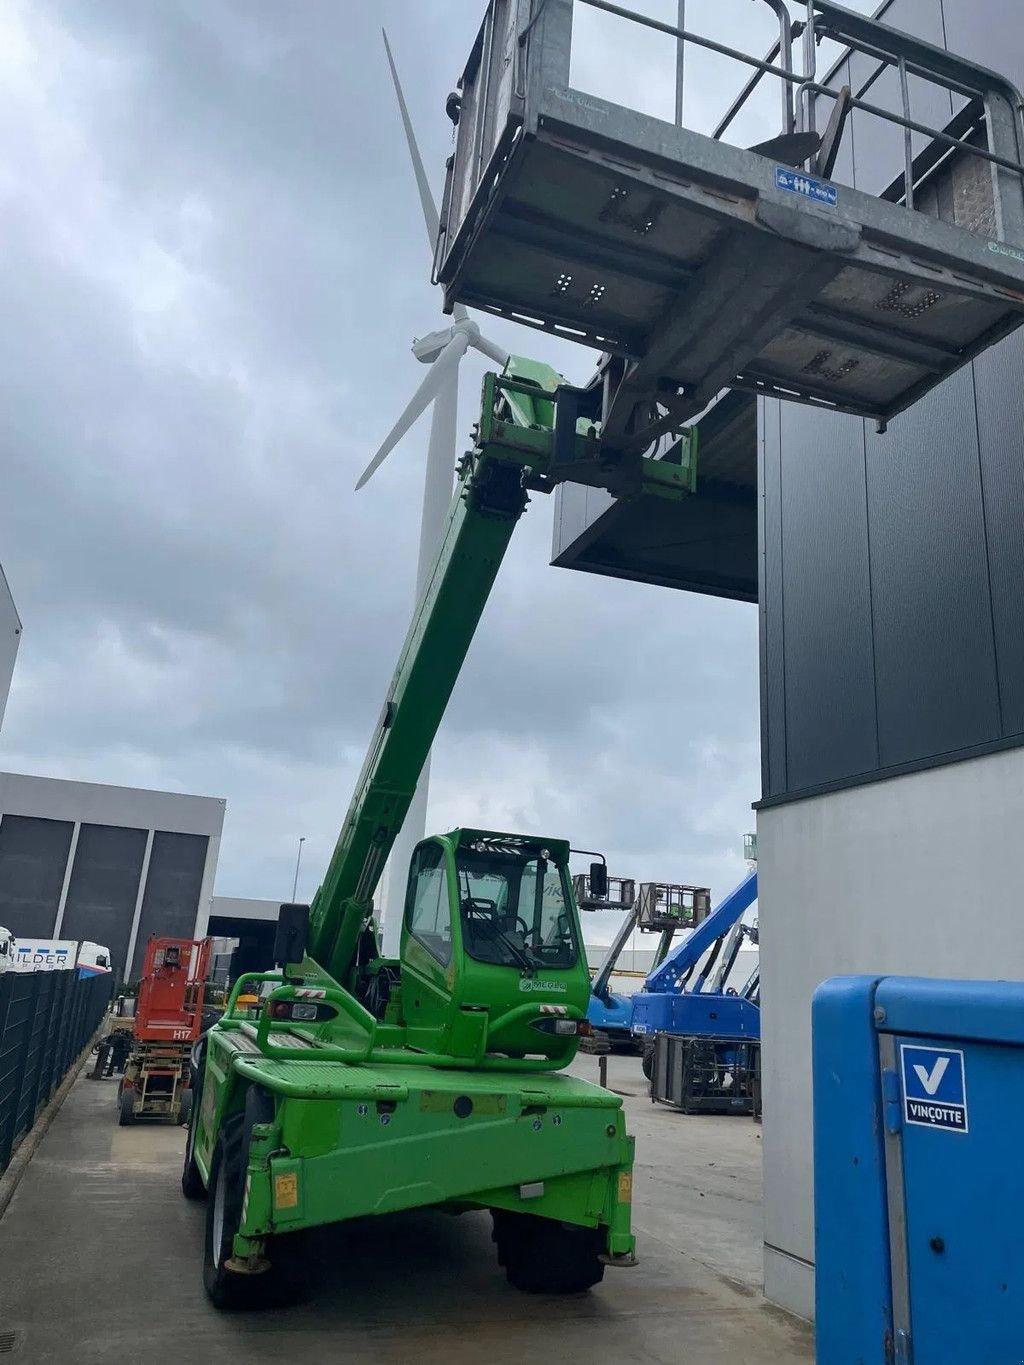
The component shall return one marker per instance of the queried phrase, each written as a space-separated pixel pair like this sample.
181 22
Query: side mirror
599 880
292 934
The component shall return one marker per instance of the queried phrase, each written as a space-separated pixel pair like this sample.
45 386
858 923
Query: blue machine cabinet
919 1184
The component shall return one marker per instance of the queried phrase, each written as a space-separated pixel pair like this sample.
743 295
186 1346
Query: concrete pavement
100 1262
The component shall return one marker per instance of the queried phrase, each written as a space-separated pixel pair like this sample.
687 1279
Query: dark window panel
171 898
878 150
773 675
33 860
988 32
827 596
1001 432
934 651
104 888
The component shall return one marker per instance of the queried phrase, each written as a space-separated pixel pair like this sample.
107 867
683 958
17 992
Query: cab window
513 902
426 904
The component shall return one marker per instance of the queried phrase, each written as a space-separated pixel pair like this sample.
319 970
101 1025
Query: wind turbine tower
442 351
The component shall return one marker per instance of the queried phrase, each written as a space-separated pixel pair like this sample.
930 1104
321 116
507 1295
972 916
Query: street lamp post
298 860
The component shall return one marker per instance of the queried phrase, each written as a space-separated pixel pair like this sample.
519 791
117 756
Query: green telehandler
359 1085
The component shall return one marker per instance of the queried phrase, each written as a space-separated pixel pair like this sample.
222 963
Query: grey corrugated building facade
892 563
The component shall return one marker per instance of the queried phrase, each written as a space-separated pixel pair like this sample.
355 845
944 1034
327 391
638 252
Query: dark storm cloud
214 267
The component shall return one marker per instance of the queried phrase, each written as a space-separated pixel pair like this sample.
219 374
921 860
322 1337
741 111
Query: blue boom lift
663 908
701 1038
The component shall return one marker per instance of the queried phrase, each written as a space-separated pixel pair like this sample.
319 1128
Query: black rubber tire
281 1283
647 1062
542 1256
126 1108
192 1186
185 1102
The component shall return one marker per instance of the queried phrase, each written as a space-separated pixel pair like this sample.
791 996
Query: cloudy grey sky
214 266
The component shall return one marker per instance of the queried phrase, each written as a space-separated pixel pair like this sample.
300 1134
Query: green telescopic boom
515 449
489 501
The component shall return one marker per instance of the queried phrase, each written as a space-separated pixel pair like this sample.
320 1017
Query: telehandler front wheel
192 1186
542 1256
280 1282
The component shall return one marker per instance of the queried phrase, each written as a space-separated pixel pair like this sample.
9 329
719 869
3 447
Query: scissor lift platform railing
709 266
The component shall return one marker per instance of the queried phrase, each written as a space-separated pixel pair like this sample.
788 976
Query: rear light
564 1028
301 1011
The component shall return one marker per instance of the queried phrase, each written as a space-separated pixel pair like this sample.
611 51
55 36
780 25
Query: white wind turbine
442 351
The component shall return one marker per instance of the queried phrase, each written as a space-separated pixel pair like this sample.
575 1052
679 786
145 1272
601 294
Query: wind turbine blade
422 184
491 349
430 217
443 368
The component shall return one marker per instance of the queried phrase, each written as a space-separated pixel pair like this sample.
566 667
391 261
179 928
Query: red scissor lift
168 1020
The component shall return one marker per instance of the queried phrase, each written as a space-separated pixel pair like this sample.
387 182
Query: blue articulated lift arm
671 974
670 1003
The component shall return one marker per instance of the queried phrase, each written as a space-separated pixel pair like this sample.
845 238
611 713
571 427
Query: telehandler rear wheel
280 1283
542 1256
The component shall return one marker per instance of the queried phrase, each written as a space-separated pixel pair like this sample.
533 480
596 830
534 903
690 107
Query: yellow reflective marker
286 1191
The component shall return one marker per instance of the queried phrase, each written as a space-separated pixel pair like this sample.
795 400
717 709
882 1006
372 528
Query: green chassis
352 1140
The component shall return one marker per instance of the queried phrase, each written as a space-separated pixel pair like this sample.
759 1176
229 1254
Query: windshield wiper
521 955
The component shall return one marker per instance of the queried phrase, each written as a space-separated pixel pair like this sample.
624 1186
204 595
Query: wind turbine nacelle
429 347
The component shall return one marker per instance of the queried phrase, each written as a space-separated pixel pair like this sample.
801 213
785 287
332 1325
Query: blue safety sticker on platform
934 1087
798 183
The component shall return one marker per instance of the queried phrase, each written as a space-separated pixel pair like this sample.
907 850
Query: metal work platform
620 893
698 266
672 905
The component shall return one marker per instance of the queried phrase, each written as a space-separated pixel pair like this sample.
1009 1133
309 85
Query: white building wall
236 907
54 798
916 875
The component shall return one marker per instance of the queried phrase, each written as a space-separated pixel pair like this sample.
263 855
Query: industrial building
84 860
887 568
247 924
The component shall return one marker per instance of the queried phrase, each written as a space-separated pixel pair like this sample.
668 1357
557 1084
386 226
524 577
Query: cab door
428 950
